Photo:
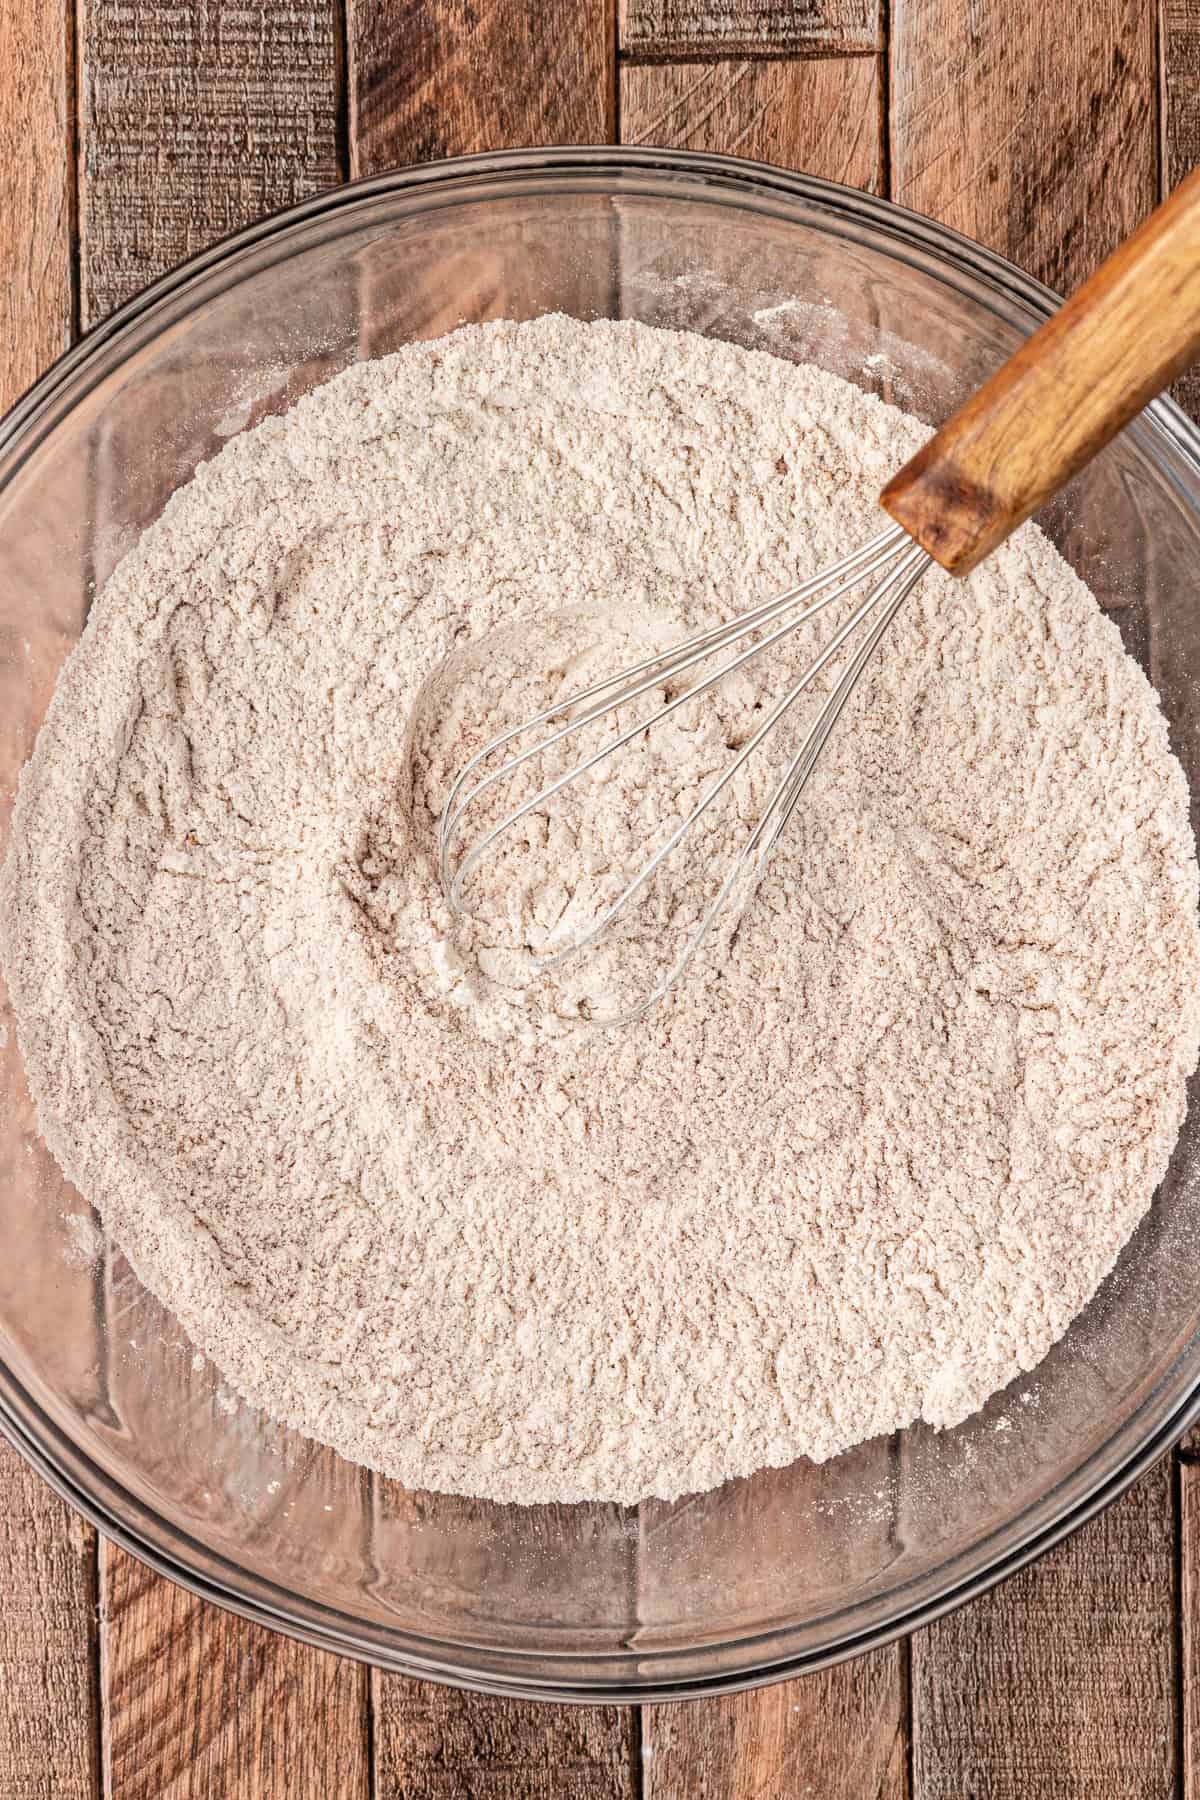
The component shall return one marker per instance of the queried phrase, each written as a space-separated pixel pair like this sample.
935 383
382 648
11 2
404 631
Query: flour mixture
863 1166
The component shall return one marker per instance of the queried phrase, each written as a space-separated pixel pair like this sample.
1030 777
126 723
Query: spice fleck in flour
864 1166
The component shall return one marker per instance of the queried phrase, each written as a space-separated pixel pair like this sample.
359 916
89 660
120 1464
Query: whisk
1032 426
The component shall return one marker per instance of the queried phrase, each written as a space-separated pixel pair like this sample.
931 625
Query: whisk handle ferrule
1067 391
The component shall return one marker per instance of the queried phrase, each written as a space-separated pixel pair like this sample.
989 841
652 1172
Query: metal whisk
1063 395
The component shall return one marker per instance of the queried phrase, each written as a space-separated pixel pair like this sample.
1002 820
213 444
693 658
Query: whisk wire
646 874
864 561
890 596
891 556
641 678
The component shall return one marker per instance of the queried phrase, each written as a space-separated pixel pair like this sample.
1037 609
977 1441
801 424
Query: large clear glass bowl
98 1387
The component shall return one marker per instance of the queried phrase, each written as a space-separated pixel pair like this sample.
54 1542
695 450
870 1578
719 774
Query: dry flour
865 1166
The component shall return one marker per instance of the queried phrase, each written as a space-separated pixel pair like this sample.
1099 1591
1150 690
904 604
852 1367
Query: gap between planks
680 58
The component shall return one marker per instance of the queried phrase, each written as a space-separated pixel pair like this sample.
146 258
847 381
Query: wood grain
48 1740
837 1735
821 116
1041 141
48 1648
48 1701
841 1734
242 120
429 82
681 29
433 1743
465 75
49 1737
196 119
201 1704
197 1701
1179 47
1060 1684
36 179
1035 135
1180 51
1189 1609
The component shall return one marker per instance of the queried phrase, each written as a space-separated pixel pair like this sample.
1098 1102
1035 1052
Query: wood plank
243 119
200 1704
664 29
1060 1683
1037 140
36 179
1180 52
1189 1609
428 82
48 1701
465 75
841 1734
437 1556
820 116
48 1744
1042 142
433 1743
838 1735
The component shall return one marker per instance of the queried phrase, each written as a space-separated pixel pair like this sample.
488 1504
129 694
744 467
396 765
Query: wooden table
132 132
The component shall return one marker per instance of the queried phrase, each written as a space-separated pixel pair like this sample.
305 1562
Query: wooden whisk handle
1068 390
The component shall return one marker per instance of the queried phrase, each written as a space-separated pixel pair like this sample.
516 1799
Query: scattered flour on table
864 1166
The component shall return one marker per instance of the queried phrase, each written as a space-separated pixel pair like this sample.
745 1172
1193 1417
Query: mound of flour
864 1165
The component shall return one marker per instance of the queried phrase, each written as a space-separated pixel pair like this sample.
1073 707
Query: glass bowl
763 1577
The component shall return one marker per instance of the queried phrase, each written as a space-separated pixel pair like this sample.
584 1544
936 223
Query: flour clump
863 1166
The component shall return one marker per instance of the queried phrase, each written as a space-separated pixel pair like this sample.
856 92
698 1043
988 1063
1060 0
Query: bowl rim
140 1529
